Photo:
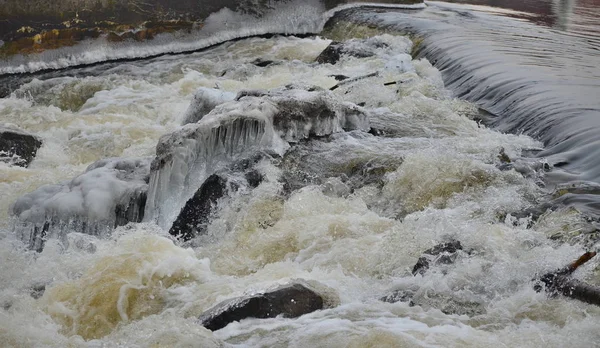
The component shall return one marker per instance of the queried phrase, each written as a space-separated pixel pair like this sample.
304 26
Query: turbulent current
338 172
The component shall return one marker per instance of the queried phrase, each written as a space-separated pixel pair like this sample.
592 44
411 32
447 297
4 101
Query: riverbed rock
334 52
111 193
194 218
344 156
443 253
289 301
18 147
446 303
195 215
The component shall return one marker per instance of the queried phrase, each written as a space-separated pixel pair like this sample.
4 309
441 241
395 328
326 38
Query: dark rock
444 253
263 63
254 178
503 157
133 210
195 215
37 291
339 77
290 301
17 146
334 52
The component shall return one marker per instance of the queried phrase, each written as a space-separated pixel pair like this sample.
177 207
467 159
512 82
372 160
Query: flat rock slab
290 301
17 146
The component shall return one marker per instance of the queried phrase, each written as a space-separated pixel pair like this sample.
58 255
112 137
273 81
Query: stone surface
195 215
290 301
18 147
334 52
443 253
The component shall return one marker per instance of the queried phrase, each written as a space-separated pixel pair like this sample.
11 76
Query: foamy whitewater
357 212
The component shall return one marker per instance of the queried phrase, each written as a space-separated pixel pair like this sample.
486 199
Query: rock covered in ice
256 121
111 193
17 146
290 301
204 101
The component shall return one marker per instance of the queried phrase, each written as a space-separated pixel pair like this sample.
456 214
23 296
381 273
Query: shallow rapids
351 212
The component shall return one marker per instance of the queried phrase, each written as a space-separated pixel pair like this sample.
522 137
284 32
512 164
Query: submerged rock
18 147
334 52
447 304
290 301
443 253
346 156
111 193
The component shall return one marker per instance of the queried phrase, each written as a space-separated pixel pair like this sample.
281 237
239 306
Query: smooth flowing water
350 212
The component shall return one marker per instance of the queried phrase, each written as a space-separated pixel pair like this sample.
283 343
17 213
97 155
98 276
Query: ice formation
257 121
111 192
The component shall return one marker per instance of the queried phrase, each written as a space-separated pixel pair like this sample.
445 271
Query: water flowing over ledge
293 17
529 79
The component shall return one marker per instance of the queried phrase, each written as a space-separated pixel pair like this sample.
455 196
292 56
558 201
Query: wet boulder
357 48
289 301
443 253
195 215
263 63
336 50
194 218
348 157
18 147
111 193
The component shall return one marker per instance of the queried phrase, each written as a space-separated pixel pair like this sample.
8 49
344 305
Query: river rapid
350 212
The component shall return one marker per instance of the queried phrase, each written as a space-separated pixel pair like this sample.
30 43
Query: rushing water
356 211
